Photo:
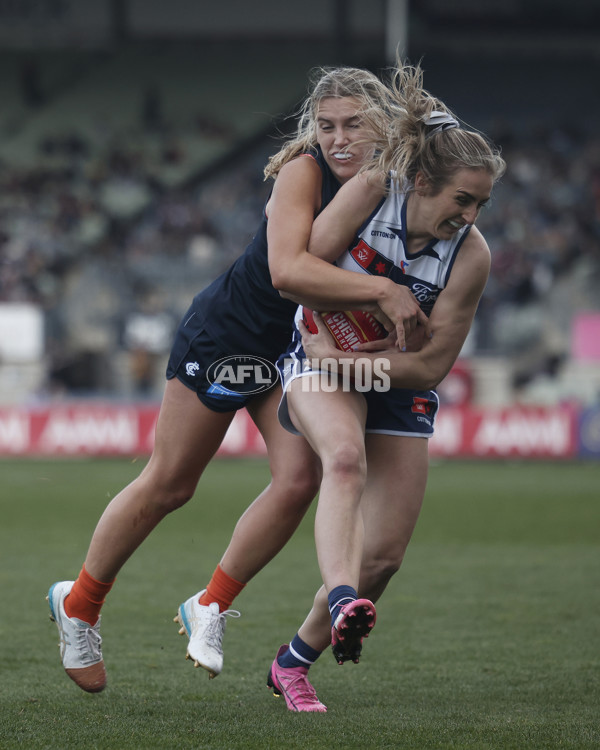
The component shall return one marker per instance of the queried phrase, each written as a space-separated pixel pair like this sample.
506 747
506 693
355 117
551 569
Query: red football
348 327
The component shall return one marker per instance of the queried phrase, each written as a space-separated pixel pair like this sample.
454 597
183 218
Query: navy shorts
193 353
397 411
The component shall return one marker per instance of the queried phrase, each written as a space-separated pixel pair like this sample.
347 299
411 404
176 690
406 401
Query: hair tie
441 121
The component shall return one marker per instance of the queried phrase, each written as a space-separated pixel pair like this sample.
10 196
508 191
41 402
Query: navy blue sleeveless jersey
239 314
241 310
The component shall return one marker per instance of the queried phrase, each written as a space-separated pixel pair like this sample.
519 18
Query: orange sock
222 589
86 597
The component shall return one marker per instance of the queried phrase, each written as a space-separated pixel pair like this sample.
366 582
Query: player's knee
165 486
178 497
305 490
347 461
165 497
299 486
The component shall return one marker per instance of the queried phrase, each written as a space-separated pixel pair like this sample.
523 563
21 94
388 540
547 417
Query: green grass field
489 637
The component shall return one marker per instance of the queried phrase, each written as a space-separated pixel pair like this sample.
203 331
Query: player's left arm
450 322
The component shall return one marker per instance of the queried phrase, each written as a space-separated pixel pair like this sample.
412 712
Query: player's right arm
336 227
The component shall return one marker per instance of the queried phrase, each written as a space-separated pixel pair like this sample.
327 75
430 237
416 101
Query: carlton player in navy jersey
416 229
223 354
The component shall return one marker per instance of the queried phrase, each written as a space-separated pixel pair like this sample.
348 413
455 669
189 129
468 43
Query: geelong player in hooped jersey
418 231
380 248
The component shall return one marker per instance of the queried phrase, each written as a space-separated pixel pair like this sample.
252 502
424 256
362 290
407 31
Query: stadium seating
139 170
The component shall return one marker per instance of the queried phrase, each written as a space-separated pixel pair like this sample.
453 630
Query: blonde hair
397 115
376 107
413 144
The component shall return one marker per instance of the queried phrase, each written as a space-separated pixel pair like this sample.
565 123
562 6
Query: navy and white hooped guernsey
379 248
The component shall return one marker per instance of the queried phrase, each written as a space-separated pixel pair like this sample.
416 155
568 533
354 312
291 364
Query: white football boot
205 627
80 643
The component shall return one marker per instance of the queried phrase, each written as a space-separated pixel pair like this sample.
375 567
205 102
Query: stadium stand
132 178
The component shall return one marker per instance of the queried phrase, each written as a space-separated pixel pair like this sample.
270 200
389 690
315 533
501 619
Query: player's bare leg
333 424
270 521
391 503
187 436
259 535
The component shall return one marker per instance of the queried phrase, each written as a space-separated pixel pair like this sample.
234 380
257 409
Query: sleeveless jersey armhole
316 161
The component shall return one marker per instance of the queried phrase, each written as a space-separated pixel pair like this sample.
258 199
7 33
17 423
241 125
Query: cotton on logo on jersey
242 374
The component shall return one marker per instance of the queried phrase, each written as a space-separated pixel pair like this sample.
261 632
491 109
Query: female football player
243 312
419 231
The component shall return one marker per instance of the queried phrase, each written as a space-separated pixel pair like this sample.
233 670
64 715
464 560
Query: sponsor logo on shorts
423 408
243 374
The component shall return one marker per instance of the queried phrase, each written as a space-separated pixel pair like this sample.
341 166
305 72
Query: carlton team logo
244 374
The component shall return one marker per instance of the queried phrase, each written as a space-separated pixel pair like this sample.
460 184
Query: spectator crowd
112 255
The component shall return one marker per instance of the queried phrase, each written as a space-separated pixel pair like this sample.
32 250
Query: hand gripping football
348 327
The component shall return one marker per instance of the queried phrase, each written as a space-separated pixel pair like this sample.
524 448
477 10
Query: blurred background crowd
131 175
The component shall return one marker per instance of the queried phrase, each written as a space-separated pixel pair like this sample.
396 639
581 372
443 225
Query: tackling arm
450 321
297 274
335 228
308 279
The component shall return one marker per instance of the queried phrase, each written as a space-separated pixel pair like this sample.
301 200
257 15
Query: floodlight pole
396 29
